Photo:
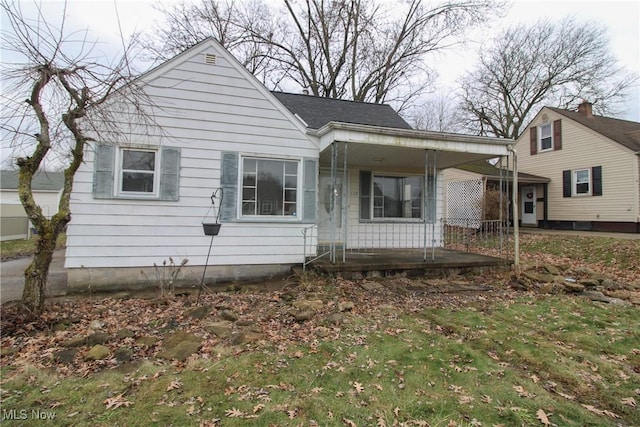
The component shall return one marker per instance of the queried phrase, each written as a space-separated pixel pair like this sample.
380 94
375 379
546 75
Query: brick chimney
585 109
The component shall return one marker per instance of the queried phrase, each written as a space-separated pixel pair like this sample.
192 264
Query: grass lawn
384 352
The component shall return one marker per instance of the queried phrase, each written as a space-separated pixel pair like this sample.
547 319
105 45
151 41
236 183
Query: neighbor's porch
363 225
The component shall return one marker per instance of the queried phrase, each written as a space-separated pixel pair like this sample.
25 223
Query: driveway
12 277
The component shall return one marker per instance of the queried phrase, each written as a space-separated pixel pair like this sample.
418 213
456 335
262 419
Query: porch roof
385 147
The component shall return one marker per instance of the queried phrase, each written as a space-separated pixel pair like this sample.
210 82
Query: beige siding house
593 166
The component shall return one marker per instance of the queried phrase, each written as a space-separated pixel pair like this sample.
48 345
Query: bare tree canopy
57 97
544 64
363 50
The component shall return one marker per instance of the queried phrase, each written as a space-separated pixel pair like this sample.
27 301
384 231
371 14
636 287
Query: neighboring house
593 163
46 188
295 169
471 190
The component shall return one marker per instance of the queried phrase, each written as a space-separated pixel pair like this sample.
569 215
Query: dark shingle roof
317 111
42 181
624 132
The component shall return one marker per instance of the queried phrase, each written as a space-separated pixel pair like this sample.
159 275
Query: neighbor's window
138 171
582 182
397 197
269 187
546 141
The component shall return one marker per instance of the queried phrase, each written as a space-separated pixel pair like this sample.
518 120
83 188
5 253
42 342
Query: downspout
516 208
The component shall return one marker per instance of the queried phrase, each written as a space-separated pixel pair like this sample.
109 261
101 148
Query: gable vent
209 58
545 117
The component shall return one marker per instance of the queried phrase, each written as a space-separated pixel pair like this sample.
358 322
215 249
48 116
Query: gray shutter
103 174
310 204
170 174
229 185
566 183
596 178
365 195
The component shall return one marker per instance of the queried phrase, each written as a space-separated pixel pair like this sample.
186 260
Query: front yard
484 350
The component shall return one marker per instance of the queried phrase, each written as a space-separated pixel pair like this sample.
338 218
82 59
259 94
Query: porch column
430 195
345 201
333 203
516 227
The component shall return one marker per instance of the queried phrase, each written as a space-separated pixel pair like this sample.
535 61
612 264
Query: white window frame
275 218
120 171
574 182
375 218
540 137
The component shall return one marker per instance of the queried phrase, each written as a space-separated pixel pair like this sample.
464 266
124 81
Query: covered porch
381 202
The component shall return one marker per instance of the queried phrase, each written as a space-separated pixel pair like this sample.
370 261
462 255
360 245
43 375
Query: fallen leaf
174 385
595 410
358 386
116 402
258 408
349 423
630 401
234 413
542 416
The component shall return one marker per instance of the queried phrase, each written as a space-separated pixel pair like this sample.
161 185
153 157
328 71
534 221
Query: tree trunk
36 274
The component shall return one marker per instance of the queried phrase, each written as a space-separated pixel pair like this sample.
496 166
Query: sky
622 19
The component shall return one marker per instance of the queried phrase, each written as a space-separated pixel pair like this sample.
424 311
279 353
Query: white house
297 172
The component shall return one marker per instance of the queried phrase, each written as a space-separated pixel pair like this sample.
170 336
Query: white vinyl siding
205 110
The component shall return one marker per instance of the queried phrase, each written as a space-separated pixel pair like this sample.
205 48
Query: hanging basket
211 229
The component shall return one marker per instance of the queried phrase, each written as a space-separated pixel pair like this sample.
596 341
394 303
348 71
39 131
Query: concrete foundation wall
125 279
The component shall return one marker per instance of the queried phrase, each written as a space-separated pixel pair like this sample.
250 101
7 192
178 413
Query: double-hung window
397 196
138 172
546 138
269 187
582 182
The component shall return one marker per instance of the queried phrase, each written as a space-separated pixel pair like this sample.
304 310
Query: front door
324 210
528 202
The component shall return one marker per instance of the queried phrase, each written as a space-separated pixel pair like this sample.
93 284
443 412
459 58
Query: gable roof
317 111
624 132
42 181
487 170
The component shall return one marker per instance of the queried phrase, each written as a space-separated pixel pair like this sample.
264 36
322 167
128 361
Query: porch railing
486 237
313 249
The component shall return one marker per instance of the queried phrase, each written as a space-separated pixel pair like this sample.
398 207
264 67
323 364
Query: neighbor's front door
528 202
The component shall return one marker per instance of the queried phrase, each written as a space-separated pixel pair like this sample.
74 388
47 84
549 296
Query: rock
547 288
370 285
334 319
573 287
180 345
96 325
247 337
610 284
123 354
65 356
8 351
245 322
600 297
97 352
98 338
147 341
125 333
322 331
302 316
219 329
306 305
552 269
585 271
388 307
228 315
589 283
346 306
75 342
199 312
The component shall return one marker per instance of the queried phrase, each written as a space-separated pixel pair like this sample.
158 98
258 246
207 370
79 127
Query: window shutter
557 135
596 178
566 183
533 140
365 194
310 206
229 184
104 164
170 174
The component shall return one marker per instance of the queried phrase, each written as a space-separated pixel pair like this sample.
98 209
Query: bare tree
56 98
351 49
436 113
547 63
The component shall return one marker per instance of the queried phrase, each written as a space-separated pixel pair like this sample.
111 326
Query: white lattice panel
464 203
